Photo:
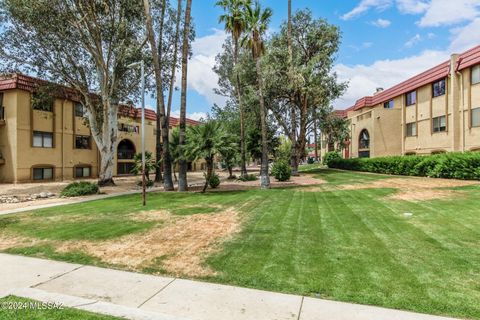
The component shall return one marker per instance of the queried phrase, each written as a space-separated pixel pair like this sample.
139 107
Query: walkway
142 297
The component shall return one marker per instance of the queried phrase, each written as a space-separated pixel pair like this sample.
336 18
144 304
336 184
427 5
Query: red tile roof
465 60
27 83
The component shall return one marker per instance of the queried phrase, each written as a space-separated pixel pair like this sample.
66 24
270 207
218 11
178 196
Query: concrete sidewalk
140 296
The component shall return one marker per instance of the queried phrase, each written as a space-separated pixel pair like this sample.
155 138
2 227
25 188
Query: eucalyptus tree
86 45
256 21
235 25
314 85
183 165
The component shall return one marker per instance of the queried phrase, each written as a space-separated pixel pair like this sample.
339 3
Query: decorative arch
126 150
438 152
364 144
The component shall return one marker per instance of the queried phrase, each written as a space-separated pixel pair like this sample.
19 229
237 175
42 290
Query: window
79 110
438 88
42 101
364 140
476 117
411 129
82 172
125 168
82 142
43 173
476 74
439 124
42 139
388 105
411 98
128 128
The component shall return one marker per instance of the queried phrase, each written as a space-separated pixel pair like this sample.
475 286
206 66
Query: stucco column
454 129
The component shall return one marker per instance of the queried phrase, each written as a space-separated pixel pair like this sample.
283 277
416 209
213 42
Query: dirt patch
152 215
302 180
181 243
415 189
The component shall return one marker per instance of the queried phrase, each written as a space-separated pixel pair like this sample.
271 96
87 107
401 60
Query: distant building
54 143
434 112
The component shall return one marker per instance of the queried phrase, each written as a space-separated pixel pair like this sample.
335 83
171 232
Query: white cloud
194 115
201 77
412 6
413 40
364 79
466 37
381 23
448 12
366 5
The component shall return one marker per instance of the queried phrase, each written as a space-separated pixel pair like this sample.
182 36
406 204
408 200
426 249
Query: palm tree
182 172
235 25
150 164
256 21
175 149
207 140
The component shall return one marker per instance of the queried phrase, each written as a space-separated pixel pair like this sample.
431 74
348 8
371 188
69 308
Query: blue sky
384 41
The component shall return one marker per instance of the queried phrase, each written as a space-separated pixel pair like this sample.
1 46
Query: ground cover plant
399 242
48 313
77 189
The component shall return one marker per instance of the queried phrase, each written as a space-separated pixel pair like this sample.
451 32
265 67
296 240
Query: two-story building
433 112
52 141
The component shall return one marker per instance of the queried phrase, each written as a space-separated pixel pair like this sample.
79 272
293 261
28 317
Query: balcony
2 116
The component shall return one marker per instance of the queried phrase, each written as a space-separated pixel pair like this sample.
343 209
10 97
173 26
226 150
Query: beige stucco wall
20 156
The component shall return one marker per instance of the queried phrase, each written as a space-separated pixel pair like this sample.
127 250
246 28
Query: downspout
63 139
463 109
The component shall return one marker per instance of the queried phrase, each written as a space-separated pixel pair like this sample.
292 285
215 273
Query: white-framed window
439 124
42 139
411 129
476 117
388 105
42 173
476 74
411 98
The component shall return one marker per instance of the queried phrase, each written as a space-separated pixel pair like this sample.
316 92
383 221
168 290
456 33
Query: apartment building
52 141
433 112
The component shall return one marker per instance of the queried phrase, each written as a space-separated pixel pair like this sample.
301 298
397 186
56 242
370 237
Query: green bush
330 156
310 160
214 181
281 170
453 165
248 177
148 183
77 189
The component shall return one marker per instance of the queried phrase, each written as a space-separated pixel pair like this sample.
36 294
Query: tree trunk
293 138
175 54
301 140
106 140
230 172
182 172
243 158
158 136
208 176
167 181
264 178
315 137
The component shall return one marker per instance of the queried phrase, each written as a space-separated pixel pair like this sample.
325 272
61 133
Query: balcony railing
125 154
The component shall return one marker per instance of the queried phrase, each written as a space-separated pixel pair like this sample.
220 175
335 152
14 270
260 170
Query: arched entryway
364 144
125 153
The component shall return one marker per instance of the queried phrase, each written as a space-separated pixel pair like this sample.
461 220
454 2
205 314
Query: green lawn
347 245
46 312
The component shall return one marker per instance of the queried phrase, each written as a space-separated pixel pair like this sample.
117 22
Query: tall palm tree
235 25
256 21
206 141
183 166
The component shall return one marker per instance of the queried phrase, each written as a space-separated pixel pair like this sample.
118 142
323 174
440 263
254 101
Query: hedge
455 165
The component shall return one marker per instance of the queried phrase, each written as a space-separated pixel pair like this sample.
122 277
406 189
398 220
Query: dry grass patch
415 189
182 243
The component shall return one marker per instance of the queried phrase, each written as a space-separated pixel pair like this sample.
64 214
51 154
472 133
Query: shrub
447 165
248 177
281 170
148 183
214 181
77 189
310 160
330 156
